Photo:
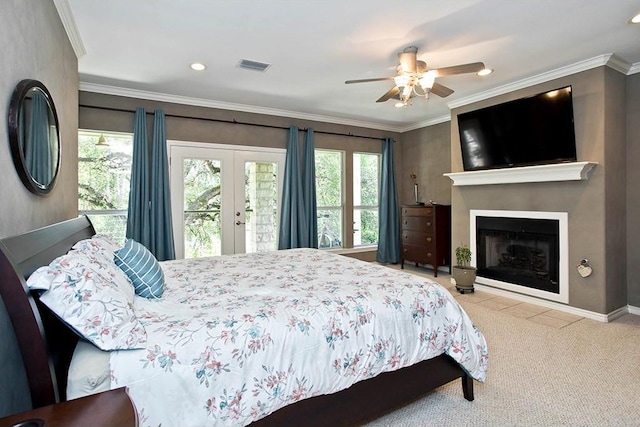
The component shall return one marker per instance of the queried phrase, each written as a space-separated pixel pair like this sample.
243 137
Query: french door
224 199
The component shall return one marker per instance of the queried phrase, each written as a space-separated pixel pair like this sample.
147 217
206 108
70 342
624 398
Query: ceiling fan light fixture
485 71
401 80
400 104
427 80
635 19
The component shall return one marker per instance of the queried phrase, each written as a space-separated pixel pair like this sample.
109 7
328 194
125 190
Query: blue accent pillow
142 268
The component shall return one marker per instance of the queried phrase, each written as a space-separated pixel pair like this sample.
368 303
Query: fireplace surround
521 251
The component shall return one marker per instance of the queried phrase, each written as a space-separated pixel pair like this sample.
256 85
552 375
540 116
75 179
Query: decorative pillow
95 305
142 268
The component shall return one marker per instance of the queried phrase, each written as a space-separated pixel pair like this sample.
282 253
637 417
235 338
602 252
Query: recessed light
198 66
485 72
635 19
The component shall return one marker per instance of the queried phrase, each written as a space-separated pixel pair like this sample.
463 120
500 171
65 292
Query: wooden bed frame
47 344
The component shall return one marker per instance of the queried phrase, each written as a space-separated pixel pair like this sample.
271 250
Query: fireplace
524 252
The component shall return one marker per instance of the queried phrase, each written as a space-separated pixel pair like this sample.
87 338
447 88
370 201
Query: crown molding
609 60
69 23
200 102
423 124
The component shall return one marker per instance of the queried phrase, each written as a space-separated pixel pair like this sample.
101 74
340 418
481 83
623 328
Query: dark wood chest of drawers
426 235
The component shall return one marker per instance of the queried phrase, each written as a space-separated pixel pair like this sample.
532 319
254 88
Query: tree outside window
104 174
366 187
329 200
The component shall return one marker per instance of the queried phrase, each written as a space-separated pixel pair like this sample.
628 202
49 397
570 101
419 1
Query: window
329 173
366 185
104 173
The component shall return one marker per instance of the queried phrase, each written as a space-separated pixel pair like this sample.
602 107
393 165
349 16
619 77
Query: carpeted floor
573 372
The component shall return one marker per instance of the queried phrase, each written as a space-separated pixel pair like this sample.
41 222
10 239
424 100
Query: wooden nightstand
108 409
426 235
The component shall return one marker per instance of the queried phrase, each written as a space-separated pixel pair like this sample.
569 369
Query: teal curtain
161 238
293 226
389 232
37 149
138 219
309 188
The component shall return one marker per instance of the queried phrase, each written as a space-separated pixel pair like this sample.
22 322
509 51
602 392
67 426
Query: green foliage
369 224
369 178
103 173
328 178
463 256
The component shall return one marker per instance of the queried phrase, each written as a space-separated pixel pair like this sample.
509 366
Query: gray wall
597 207
426 152
34 46
633 189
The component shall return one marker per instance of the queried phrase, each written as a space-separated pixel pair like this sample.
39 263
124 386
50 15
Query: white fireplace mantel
571 171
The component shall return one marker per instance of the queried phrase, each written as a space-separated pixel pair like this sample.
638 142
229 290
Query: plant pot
464 278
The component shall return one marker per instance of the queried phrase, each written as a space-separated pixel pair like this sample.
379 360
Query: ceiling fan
415 79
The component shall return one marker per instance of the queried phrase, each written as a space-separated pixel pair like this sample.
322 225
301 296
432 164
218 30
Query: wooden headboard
46 344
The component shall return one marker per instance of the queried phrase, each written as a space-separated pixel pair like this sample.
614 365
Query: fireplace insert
521 251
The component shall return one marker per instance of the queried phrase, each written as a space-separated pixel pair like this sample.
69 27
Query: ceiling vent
248 64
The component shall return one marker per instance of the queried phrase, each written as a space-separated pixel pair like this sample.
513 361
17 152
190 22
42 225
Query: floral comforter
237 337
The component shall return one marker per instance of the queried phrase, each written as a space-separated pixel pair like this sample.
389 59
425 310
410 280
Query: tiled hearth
534 313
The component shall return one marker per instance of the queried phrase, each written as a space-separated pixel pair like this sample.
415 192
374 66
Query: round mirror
34 136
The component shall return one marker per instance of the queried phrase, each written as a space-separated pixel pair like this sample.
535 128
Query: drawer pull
406 222
428 224
428 254
428 239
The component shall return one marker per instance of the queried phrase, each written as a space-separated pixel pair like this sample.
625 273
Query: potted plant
463 274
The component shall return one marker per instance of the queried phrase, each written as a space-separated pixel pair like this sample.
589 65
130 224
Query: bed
292 384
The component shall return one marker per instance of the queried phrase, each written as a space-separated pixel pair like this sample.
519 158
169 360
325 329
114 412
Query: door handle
239 222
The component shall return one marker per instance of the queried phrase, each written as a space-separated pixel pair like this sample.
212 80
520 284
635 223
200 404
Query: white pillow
89 371
95 302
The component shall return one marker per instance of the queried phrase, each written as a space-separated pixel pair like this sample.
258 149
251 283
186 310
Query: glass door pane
201 188
201 206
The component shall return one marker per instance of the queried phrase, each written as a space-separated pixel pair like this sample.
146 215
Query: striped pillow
142 268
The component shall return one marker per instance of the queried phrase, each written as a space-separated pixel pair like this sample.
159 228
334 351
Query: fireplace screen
520 251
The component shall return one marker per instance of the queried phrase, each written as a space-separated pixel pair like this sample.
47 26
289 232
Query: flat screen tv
528 131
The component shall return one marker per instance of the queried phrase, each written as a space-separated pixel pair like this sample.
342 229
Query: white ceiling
143 48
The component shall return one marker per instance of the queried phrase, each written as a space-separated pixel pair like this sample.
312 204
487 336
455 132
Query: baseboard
633 310
561 307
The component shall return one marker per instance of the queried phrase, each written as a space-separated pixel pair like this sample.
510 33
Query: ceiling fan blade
379 79
441 90
408 61
473 67
390 94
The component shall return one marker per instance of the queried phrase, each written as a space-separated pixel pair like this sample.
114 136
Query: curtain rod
233 121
